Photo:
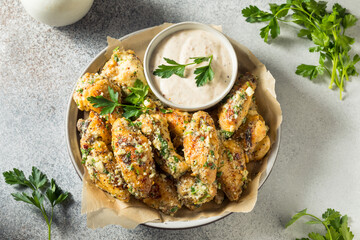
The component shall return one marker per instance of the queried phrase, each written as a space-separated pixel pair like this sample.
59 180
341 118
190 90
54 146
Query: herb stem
333 74
49 224
327 228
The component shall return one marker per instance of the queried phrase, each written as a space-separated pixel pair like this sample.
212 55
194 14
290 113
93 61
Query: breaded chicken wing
163 196
201 147
133 157
177 121
233 112
260 150
251 132
123 69
155 127
97 157
232 170
91 85
193 192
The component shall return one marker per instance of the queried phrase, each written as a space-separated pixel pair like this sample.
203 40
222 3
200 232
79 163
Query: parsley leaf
310 71
325 29
108 106
138 93
37 181
166 71
37 178
335 224
135 101
163 110
203 74
17 177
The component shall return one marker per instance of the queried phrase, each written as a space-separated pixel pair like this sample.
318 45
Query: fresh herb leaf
296 217
199 60
310 71
37 181
166 71
37 178
108 106
135 101
204 74
326 30
163 110
17 177
335 224
138 93
254 14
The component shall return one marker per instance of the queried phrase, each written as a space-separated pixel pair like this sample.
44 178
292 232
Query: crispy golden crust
193 192
260 150
201 147
155 127
133 157
251 132
163 196
233 112
177 121
91 85
232 170
94 128
98 159
123 69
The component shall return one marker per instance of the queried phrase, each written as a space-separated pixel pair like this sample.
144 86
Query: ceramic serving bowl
73 138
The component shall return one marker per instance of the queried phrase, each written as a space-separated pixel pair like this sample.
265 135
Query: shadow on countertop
114 18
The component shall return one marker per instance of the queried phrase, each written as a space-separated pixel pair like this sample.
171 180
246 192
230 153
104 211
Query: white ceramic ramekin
188 26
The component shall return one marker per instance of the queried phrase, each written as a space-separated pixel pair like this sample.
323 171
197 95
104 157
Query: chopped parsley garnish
116 58
229 155
226 134
163 110
174 209
164 149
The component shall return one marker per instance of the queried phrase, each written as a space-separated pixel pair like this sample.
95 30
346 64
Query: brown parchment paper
102 209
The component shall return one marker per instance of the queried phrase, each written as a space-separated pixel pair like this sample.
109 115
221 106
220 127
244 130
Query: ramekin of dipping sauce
181 42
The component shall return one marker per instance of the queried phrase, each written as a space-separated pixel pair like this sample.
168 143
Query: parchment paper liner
102 209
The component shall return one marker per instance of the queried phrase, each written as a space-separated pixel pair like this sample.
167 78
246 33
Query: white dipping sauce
179 47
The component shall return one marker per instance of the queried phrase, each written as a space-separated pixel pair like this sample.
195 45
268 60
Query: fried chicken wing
233 112
97 157
177 121
163 196
91 85
133 157
232 170
123 69
193 192
155 127
260 149
251 132
201 147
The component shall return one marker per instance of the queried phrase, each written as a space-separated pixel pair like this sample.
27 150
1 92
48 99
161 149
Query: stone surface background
319 159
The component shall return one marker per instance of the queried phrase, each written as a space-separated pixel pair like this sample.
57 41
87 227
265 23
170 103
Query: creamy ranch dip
180 46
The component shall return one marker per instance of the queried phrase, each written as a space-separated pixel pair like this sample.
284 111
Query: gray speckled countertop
319 159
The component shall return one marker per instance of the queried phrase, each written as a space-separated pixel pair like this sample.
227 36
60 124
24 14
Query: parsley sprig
203 74
41 190
335 224
135 101
326 30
